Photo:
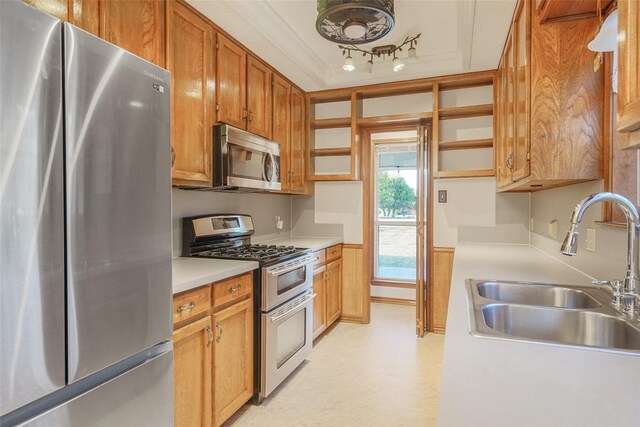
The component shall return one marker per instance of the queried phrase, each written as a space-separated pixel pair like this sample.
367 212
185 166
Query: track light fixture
383 52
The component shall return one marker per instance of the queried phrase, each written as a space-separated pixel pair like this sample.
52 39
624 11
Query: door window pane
396 252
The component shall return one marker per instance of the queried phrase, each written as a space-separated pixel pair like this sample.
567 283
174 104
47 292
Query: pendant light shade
354 21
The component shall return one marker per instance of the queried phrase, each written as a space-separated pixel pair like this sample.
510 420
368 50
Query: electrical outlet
591 239
442 196
553 228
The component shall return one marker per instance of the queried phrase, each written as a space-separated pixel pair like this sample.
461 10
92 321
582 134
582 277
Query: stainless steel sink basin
562 315
536 294
573 327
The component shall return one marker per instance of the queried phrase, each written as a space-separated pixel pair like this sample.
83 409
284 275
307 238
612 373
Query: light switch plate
591 239
442 196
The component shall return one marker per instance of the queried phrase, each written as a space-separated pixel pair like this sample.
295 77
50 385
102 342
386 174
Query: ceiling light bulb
370 66
413 56
354 30
348 64
397 64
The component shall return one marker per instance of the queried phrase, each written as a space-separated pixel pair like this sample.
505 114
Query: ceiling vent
354 21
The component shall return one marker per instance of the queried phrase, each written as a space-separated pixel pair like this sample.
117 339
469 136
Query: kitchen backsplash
609 259
263 208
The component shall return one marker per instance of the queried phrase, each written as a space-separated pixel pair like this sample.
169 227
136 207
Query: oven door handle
294 309
286 270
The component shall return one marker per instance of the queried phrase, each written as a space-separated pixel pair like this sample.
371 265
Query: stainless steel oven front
285 280
287 339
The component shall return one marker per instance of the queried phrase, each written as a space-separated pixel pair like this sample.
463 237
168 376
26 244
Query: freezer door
141 397
32 338
118 175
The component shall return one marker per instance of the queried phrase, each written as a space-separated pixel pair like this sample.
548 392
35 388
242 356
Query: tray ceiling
458 36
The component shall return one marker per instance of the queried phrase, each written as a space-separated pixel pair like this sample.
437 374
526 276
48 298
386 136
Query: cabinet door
192 374
521 54
231 83
190 59
298 143
334 291
319 303
259 80
509 108
282 125
136 26
81 13
232 359
629 72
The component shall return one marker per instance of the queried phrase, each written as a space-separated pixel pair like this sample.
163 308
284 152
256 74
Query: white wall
263 208
335 210
609 259
475 213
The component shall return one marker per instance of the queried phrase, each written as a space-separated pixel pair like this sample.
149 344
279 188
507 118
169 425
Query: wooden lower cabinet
232 359
334 290
319 303
192 373
327 285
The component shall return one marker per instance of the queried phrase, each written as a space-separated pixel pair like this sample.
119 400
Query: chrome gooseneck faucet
627 291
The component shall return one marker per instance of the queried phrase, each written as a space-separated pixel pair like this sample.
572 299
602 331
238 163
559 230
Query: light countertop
491 382
313 243
190 273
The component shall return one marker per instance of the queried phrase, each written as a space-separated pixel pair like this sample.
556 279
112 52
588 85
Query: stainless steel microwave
243 161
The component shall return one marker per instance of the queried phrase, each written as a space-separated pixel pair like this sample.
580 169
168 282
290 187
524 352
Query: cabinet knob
186 307
250 115
235 289
210 333
244 113
219 328
173 156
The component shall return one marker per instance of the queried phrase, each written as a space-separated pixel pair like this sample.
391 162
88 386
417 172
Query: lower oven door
286 340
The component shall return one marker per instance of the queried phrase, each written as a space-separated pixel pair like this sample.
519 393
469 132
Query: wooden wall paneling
355 285
259 98
442 268
556 10
231 84
282 126
136 26
566 102
192 374
629 72
522 89
191 61
298 153
232 359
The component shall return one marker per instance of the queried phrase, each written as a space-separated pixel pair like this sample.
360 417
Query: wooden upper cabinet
298 137
557 10
232 359
259 98
136 26
509 108
192 374
629 72
231 83
521 87
84 14
282 125
191 61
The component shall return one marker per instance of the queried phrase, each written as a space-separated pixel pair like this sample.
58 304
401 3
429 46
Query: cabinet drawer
319 257
191 303
232 290
334 252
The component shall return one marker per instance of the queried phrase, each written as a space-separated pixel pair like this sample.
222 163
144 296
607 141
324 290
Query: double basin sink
565 315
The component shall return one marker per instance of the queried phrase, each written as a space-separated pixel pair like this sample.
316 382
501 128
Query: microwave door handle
273 166
294 309
287 270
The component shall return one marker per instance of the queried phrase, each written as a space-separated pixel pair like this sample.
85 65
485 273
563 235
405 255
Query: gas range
265 254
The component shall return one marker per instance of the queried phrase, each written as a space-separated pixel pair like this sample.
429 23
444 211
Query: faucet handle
630 304
615 286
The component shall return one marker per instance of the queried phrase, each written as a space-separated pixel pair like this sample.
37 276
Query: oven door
285 280
252 166
287 339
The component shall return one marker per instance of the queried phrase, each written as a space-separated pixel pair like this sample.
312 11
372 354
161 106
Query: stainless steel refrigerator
85 229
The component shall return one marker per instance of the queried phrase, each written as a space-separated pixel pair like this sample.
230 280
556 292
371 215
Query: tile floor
360 375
